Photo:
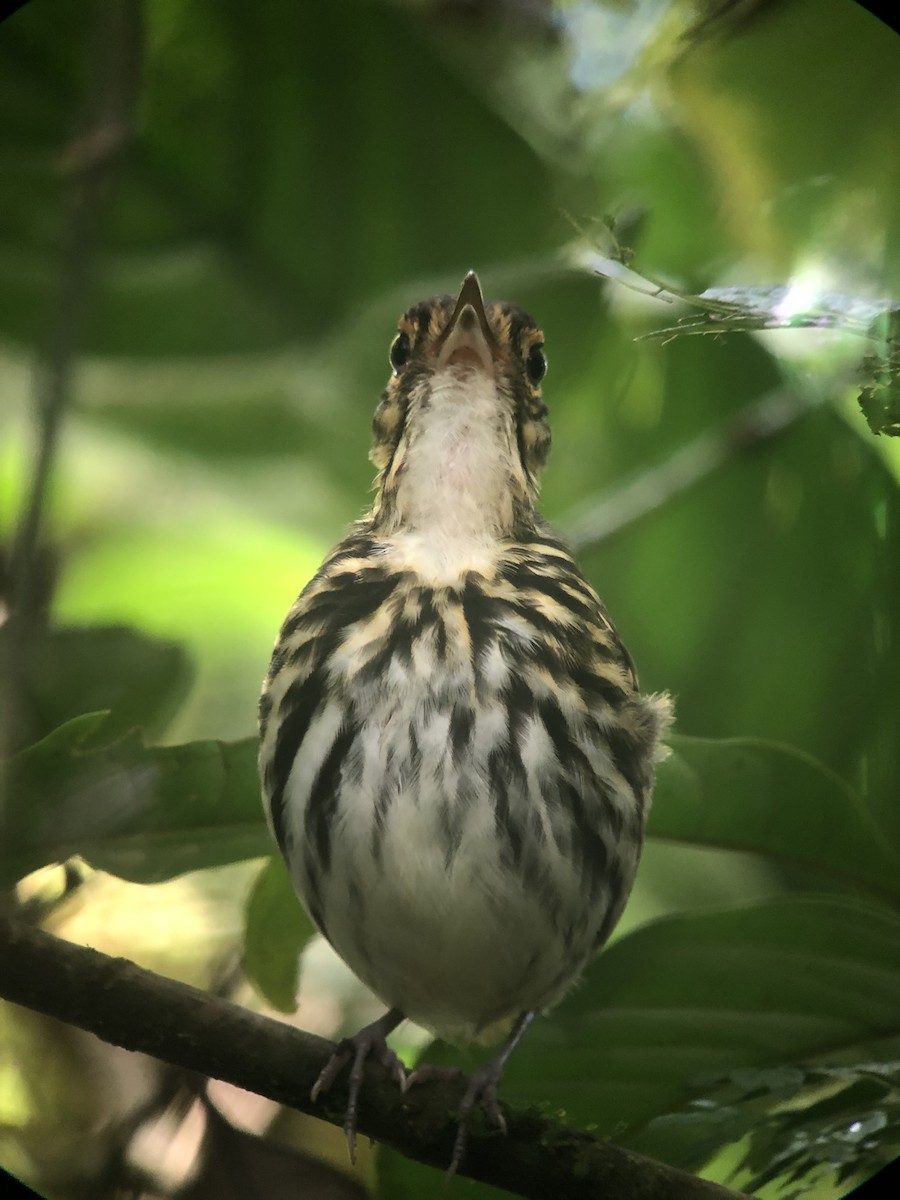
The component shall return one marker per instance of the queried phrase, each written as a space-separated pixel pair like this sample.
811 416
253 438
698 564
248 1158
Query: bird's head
462 421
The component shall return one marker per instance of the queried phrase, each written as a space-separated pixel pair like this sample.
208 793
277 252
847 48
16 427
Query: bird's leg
481 1090
369 1042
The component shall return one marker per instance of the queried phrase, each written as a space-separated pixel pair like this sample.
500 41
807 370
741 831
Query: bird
455 757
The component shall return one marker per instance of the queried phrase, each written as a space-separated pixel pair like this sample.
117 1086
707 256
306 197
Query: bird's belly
457 944
451 889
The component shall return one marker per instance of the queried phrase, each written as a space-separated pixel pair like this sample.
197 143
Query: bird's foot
481 1088
481 1092
369 1042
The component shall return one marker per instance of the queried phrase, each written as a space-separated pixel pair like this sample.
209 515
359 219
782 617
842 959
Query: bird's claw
367 1043
481 1092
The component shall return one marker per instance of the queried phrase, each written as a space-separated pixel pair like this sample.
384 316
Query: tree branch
138 1010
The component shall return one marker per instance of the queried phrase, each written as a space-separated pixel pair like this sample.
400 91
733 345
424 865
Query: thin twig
103 132
741 309
136 1009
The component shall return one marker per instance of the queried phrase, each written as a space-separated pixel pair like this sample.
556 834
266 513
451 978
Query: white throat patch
453 495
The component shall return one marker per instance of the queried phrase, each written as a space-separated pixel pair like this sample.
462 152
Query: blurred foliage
277 930
797 1121
145 814
879 396
300 173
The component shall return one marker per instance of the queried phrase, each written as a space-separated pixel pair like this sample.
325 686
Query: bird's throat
457 483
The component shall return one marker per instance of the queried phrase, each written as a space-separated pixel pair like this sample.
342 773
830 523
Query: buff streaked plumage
457 762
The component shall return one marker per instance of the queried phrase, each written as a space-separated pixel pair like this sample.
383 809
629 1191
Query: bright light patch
800 298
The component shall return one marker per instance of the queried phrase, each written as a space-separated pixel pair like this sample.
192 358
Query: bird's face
464 400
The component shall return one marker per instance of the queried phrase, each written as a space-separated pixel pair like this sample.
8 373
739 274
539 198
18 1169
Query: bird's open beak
468 337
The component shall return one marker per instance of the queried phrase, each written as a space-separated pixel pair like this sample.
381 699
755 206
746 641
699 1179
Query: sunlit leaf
844 1121
770 984
277 930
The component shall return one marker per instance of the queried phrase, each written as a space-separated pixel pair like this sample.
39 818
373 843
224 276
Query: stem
130 1007
102 133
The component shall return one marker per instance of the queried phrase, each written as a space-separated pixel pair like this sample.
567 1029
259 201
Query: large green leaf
781 981
277 930
219 584
817 1120
765 598
66 671
748 795
145 813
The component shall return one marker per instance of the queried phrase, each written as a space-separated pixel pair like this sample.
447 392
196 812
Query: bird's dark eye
400 351
536 363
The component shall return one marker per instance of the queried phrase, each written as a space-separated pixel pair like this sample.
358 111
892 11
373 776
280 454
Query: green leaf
277 930
781 981
749 795
219 583
137 679
145 813
781 623
845 1118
